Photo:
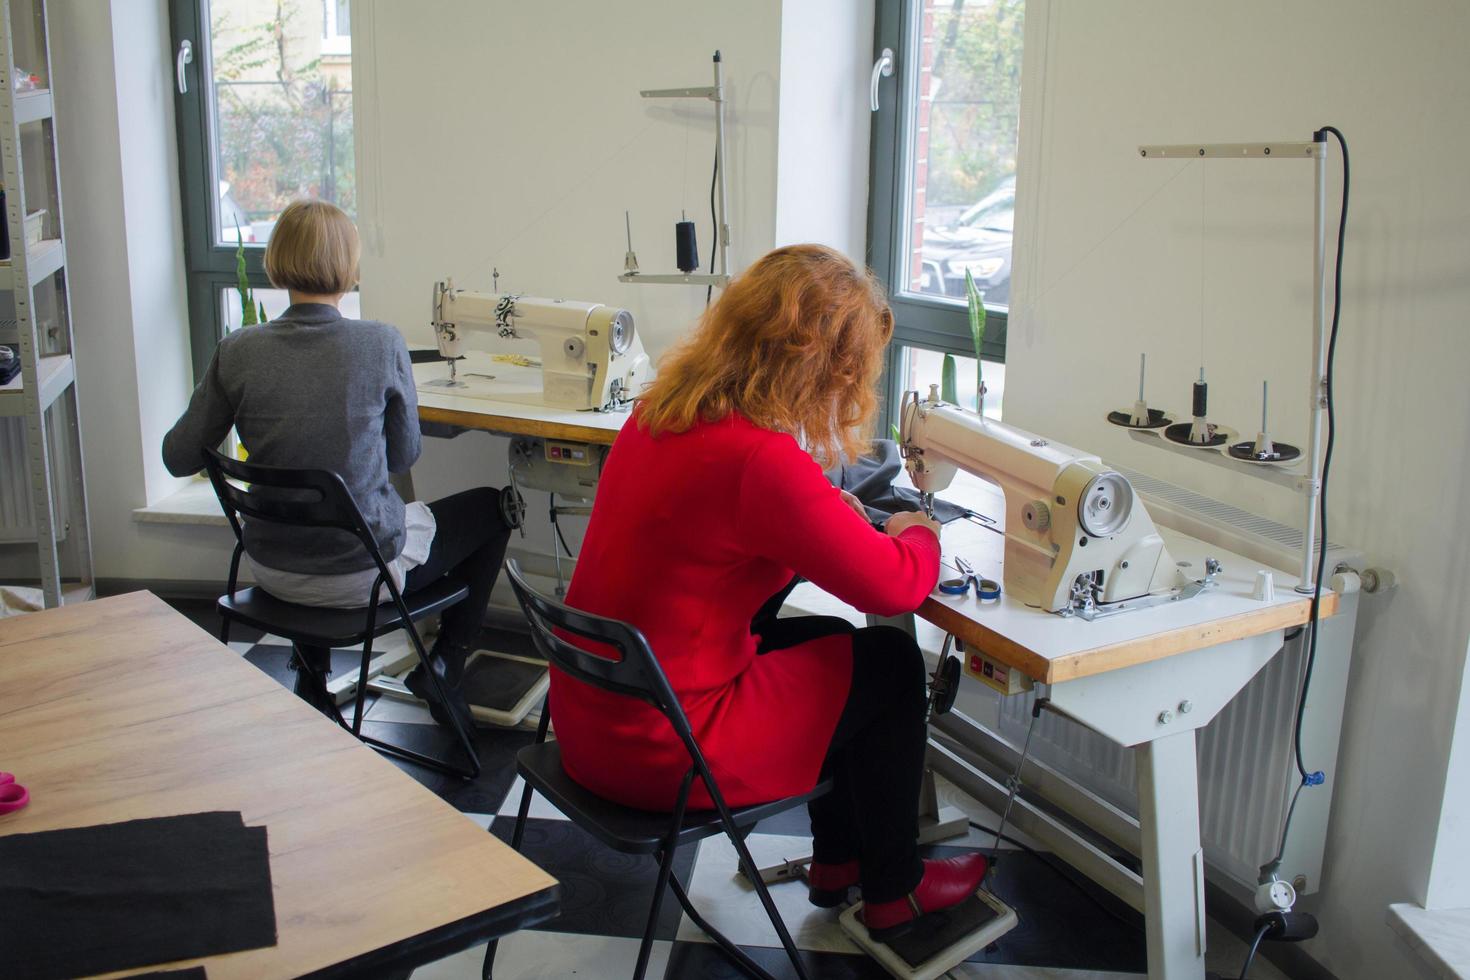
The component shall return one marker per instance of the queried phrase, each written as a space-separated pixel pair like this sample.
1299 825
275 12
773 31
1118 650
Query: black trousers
876 757
470 538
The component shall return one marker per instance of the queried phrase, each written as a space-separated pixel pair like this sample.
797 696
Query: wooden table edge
1142 649
517 425
453 937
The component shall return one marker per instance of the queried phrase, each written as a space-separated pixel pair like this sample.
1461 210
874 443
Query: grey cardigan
311 389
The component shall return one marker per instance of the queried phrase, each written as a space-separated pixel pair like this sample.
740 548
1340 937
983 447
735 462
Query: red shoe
945 884
827 884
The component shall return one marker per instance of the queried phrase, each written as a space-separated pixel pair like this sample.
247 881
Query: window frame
918 322
209 266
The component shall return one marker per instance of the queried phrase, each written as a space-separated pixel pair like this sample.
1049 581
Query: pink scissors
13 795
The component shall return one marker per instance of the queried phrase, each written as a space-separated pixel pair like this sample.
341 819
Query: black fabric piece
427 355
192 973
96 899
870 480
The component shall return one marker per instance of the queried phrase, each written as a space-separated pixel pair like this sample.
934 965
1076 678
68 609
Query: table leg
1173 862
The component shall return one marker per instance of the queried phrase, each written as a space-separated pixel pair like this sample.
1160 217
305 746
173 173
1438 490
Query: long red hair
795 344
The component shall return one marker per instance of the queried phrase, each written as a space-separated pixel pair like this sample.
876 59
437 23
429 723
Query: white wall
822 169
499 136
112 74
1109 264
508 136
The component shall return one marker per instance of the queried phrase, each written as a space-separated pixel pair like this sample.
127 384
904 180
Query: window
266 118
943 187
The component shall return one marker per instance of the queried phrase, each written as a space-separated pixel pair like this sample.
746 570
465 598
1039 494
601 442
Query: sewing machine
591 356
1078 540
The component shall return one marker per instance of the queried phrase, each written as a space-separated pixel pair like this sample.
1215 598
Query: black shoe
313 690
421 687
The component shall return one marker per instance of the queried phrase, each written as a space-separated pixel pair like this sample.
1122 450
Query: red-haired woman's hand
904 520
855 504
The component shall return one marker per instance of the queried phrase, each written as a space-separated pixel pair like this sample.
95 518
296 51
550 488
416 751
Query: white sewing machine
591 356
1077 538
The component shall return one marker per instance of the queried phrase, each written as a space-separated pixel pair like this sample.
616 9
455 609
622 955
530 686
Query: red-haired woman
712 497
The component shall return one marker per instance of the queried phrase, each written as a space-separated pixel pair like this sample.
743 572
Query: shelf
42 259
677 279
33 106
1280 474
56 373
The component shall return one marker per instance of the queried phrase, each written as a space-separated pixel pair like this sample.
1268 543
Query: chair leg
752 872
516 837
362 679
224 629
734 952
665 875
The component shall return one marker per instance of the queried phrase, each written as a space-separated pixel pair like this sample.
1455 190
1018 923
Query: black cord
1250 957
1058 868
714 221
1313 626
1314 621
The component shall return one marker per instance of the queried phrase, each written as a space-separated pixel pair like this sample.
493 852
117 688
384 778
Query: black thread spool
685 246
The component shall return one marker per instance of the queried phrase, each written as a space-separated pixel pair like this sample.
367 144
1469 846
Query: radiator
1240 810
17 518
1246 768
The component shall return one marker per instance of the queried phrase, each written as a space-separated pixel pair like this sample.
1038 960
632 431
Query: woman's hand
904 520
855 504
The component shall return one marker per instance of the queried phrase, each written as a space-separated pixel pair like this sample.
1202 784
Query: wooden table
121 708
507 402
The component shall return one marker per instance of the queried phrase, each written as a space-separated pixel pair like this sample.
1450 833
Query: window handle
882 67
186 56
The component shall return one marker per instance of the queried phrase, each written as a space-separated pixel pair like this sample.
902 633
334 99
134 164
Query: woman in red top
711 499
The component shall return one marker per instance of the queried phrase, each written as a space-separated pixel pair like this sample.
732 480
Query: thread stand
1141 417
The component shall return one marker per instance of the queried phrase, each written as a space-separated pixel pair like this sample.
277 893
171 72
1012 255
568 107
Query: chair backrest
634 672
311 498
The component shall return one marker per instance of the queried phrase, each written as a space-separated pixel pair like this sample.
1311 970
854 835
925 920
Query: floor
1069 930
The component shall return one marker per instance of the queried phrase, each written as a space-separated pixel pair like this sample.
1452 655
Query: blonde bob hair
313 249
795 344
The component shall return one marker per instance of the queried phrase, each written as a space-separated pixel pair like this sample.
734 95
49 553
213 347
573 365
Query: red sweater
689 535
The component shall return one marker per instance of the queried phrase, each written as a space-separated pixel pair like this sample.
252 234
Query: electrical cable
1250 957
1313 626
714 221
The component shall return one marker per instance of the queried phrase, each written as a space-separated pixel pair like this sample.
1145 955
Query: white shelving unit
42 400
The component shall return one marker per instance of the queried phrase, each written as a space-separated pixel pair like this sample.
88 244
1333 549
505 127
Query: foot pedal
501 688
939 941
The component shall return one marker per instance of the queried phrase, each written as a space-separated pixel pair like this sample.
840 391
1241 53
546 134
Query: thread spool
685 246
1201 393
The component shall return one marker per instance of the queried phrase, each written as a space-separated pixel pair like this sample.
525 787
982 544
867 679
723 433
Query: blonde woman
711 498
312 389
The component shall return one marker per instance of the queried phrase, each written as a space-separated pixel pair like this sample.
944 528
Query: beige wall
1109 261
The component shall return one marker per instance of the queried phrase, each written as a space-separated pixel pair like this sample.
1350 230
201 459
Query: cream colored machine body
591 356
1078 540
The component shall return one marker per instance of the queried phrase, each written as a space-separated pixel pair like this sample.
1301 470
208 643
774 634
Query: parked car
980 241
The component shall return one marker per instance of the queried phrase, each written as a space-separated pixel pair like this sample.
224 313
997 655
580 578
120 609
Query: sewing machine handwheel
946 686
512 507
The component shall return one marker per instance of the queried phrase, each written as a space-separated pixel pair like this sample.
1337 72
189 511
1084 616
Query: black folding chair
319 498
637 674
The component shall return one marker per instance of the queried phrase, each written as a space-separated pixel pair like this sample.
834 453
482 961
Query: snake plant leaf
242 279
976 302
947 381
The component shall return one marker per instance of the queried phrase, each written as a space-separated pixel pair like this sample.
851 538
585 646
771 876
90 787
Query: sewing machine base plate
939 941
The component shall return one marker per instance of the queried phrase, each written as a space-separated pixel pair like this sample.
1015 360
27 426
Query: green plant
250 312
947 387
976 302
